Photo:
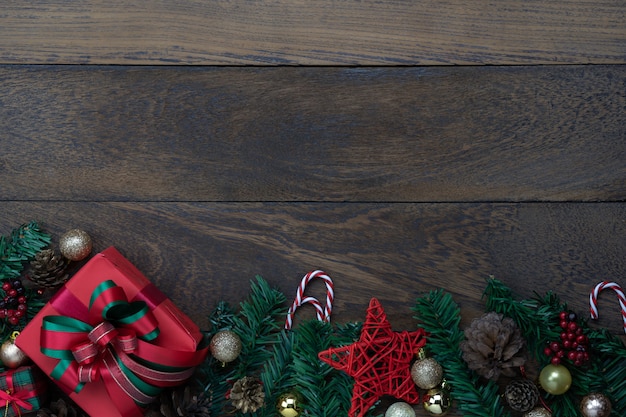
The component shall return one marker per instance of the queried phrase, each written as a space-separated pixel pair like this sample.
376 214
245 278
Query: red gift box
94 340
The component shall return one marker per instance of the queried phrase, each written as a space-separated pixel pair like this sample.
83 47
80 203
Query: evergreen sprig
20 247
440 317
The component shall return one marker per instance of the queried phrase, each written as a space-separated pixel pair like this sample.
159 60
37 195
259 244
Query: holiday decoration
74 338
538 412
573 344
555 379
437 401
493 346
48 269
247 394
225 346
180 402
22 390
289 405
426 372
593 299
75 245
521 395
400 409
595 405
12 356
379 361
323 314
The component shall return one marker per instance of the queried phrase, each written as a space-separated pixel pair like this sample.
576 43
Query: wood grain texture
200 253
301 32
313 134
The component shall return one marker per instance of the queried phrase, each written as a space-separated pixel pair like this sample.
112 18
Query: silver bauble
400 409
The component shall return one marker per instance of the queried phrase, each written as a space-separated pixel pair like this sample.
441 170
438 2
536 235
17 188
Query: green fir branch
262 316
277 373
440 317
20 247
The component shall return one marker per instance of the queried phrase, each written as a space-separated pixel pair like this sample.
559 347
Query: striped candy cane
322 313
593 299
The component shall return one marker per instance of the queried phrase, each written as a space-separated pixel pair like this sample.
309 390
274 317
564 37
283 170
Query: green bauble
555 379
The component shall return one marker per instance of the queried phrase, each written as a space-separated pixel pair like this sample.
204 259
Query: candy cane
323 314
593 299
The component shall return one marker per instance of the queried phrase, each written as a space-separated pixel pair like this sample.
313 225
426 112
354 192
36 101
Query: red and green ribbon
112 343
16 398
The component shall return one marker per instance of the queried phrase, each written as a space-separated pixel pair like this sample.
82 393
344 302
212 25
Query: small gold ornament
289 405
225 346
538 412
400 409
12 356
555 379
595 405
75 245
437 401
426 372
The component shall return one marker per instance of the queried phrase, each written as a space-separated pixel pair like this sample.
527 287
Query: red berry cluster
13 307
573 345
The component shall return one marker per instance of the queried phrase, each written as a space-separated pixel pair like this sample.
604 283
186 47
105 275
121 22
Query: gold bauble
12 356
555 379
595 405
75 245
288 405
426 373
225 346
437 401
538 412
400 409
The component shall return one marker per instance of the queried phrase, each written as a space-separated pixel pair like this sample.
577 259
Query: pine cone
493 346
180 403
521 395
61 408
48 269
247 394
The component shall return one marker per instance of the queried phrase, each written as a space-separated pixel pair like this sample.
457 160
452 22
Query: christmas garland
532 357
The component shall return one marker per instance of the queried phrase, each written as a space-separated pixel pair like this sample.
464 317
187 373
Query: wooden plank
200 253
313 134
301 32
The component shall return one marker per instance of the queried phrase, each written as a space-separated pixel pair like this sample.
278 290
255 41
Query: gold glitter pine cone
247 395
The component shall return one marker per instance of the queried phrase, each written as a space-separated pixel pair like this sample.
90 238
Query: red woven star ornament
379 362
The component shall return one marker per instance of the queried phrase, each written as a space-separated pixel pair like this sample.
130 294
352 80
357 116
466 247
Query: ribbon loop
105 343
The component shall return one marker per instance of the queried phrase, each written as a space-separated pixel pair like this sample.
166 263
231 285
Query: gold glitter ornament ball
400 409
437 401
426 373
595 405
538 412
75 245
288 405
225 346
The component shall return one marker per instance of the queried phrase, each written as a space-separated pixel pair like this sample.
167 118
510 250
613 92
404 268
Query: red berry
14 320
556 361
581 339
571 355
7 286
564 324
3 314
572 326
577 363
560 354
547 351
21 299
579 331
563 315
12 292
574 345
555 346
571 336
567 344
18 314
563 336
586 356
22 307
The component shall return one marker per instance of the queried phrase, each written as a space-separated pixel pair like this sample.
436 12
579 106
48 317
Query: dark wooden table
399 146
